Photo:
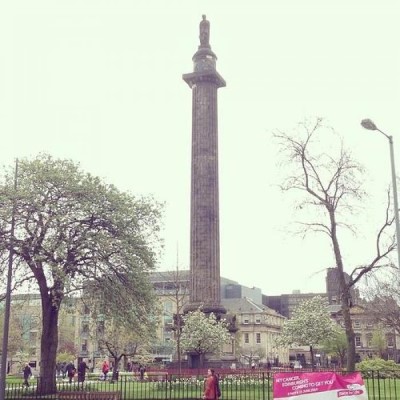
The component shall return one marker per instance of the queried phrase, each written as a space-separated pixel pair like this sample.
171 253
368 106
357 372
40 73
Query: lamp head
368 124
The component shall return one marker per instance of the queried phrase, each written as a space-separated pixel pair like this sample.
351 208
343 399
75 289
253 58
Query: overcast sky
100 82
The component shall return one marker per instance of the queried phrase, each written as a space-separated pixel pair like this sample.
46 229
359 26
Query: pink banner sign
319 386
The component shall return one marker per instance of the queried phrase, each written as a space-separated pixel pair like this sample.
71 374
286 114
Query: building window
357 324
246 338
246 319
369 340
390 341
168 306
358 341
258 320
258 338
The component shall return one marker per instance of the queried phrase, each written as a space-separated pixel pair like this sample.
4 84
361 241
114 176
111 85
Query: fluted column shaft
204 238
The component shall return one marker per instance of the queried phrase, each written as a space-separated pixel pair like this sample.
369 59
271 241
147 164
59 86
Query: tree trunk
312 358
345 296
342 357
49 343
178 349
115 371
351 346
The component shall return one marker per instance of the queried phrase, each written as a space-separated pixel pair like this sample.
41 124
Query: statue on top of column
204 32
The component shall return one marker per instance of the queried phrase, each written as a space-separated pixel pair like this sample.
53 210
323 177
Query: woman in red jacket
211 386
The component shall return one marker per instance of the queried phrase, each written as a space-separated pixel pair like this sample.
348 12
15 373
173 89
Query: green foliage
310 325
72 227
15 333
202 333
65 357
21 358
378 342
66 334
377 367
75 233
121 339
336 345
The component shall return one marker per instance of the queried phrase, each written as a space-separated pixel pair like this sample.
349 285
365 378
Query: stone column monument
204 218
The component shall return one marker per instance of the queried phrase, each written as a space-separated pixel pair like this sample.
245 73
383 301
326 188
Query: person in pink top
105 368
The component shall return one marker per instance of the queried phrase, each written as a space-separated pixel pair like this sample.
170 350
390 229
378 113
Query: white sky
101 82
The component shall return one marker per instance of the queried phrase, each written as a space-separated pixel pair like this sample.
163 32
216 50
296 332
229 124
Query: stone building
333 289
285 304
365 326
256 324
258 327
24 332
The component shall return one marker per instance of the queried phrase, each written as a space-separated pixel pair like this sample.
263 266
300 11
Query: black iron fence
383 385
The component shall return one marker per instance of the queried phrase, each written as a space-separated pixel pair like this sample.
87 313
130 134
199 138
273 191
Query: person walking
70 369
82 367
212 390
142 370
64 369
27 374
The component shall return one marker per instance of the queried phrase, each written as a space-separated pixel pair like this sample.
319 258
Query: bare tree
250 354
383 298
332 184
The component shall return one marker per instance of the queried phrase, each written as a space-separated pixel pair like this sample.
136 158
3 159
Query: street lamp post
368 124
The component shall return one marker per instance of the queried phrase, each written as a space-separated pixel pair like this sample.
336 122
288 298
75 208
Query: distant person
82 367
105 368
27 374
211 386
64 369
70 369
142 370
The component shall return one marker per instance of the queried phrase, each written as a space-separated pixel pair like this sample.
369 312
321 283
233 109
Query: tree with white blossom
310 325
203 333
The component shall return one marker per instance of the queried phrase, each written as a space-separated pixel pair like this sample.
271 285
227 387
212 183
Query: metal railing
235 385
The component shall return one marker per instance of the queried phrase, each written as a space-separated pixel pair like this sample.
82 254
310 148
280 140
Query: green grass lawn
383 389
232 389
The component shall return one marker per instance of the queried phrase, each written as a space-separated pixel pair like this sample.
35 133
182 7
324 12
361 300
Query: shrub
377 367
